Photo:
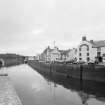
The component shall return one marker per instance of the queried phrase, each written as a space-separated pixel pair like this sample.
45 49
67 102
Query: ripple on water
35 89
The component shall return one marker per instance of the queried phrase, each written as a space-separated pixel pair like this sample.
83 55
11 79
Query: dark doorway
100 59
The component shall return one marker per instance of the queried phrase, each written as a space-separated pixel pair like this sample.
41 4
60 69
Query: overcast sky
29 26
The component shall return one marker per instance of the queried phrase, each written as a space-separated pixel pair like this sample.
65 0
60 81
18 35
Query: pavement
8 95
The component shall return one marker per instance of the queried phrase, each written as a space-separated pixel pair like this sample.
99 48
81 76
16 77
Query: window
80 54
80 58
88 59
87 54
98 54
99 49
79 49
103 55
87 48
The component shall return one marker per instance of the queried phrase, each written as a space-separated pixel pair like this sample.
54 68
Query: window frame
79 48
88 54
80 54
88 59
80 58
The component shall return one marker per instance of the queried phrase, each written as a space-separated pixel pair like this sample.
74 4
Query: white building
90 50
58 55
51 54
64 54
30 58
72 54
55 54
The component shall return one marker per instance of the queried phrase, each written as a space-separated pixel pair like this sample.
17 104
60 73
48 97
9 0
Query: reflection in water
36 88
85 89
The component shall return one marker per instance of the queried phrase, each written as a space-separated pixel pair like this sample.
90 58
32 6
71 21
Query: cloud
28 26
37 31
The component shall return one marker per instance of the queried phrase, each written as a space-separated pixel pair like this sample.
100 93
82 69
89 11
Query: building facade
55 54
91 50
51 54
64 54
58 55
72 55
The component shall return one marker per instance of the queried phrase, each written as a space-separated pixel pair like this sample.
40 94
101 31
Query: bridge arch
2 62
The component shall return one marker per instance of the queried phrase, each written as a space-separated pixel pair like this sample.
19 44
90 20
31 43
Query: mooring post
81 71
50 67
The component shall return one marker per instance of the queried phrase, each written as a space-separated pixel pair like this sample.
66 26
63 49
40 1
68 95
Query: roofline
97 47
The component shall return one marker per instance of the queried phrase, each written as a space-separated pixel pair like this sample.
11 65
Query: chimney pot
84 38
91 41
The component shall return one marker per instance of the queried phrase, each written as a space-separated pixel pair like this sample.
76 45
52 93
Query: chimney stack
91 41
84 38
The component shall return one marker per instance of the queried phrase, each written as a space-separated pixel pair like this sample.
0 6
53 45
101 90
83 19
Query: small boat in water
93 72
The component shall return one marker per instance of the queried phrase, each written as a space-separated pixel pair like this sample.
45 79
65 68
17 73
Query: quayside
85 72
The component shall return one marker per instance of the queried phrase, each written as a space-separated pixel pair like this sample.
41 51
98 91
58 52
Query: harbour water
34 88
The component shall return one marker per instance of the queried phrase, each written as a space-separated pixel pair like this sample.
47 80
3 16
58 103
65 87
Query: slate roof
100 43
48 48
64 52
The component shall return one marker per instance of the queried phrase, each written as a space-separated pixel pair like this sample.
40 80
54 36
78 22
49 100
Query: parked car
69 62
81 62
91 62
75 62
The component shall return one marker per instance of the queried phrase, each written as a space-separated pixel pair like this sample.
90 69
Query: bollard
81 71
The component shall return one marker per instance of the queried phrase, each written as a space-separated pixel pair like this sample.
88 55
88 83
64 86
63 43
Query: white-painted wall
55 55
102 50
72 54
92 51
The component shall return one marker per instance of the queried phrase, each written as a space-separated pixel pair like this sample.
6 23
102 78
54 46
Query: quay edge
86 72
8 95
